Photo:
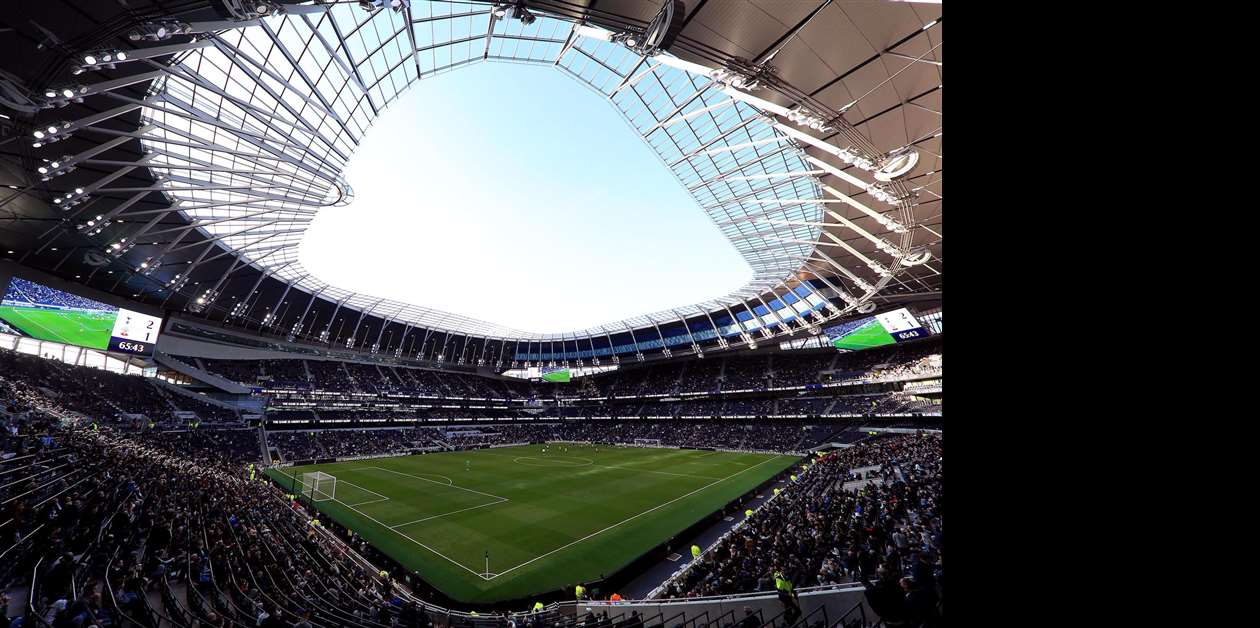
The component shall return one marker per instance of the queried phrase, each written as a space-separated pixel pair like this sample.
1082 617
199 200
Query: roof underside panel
251 134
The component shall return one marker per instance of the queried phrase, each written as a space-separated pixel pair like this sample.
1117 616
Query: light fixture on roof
149 265
101 60
917 255
60 97
54 169
50 134
898 163
659 34
159 31
803 116
515 11
736 79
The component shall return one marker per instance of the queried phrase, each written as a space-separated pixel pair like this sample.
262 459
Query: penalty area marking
383 498
447 514
447 483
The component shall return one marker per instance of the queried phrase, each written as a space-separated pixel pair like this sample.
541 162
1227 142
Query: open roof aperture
512 194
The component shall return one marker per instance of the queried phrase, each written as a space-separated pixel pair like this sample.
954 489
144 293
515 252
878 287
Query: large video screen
39 311
876 331
556 374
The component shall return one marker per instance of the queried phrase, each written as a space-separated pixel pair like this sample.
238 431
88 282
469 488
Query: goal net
319 486
648 441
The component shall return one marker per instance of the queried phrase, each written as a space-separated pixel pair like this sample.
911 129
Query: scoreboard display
38 311
876 331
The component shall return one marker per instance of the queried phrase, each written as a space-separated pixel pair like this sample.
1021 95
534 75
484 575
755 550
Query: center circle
554 461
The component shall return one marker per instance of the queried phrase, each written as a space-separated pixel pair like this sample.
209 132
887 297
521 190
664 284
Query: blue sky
515 195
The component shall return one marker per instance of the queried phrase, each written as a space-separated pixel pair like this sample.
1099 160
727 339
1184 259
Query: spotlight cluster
176 283
50 134
515 11
159 31
149 265
738 80
56 98
94 226
69 199
806 118
54 168
101 60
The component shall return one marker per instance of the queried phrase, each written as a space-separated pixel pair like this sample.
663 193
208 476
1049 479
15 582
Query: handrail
30 602
859 607
804 620
717 621
331 611
37 462
33 475
171 603
53 481
23 539
310 558
109 586
694 622
824 588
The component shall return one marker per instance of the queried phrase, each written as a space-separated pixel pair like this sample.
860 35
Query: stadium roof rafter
775 129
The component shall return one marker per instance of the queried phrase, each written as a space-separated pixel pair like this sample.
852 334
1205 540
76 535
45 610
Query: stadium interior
198 430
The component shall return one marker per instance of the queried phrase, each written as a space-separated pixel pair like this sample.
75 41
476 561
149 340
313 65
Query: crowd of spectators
825 528
126 510
927 365
21 291
102 396
726 435
744 372
101 519
305 445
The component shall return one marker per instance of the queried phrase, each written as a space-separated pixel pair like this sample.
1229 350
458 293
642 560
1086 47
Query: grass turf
75 328
547 520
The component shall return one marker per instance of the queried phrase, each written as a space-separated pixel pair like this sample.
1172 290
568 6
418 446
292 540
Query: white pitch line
382 524
447 514
370 501
598 532
432 481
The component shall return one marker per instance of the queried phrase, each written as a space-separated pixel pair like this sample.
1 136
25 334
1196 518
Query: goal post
319 486
647 442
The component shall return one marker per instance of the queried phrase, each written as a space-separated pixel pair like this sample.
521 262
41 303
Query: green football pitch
869 335
547 520
74 328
